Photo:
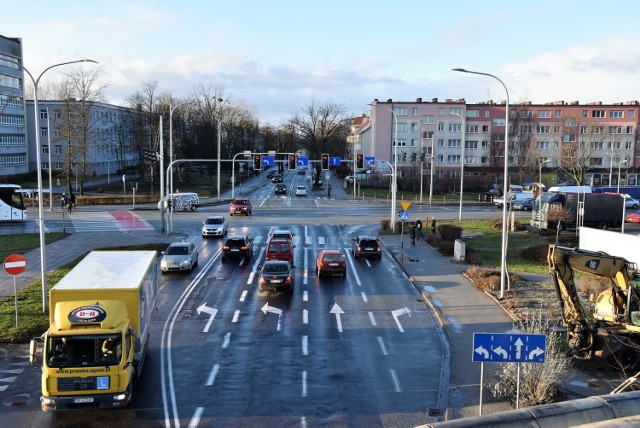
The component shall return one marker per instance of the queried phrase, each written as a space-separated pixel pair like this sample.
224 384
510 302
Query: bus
12 207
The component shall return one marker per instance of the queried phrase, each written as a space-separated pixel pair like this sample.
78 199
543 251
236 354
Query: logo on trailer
85 314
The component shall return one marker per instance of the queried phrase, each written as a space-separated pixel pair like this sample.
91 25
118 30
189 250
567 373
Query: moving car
492 193
277 178
276 276
279 249
331 262
270 174
240 206
280 188
215 225
522 204
366 246
633 217
302 170
301 191
237 247
179 256
282 234
181 201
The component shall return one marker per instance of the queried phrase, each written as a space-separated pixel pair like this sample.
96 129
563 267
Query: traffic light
257 162
325 161
404 156
360 161
292 161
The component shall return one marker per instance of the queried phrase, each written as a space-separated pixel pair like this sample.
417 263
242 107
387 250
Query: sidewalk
461 310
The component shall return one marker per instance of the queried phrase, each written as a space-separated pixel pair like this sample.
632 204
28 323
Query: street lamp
461 160
246 153
395 169
219 100
43 267
540 162
171 109
619 165
503 262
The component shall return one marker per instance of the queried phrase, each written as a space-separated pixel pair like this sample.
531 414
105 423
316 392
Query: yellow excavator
614 332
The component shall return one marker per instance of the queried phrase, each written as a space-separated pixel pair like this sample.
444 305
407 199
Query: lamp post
395 169
540 162
219 100
49 155
233 171
171 109
503 261
43 264
619 165
461 160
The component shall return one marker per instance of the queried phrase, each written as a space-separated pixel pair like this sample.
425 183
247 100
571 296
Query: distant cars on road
301 191
366 246
280 189
276 276
215 225
237 247
179 256
240 206
331 262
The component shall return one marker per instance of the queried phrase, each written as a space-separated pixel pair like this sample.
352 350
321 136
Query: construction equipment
614 332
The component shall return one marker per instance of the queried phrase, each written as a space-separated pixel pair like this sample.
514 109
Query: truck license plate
83 400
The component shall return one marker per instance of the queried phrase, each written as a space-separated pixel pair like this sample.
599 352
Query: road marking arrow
337 310
481 351
518 346
397 313
272 309
535 353
211 311
501 352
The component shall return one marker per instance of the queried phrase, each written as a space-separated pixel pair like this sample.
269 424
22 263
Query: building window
58 166
455 110
473 113
45 165
595 161
453 159
470 144
615 130
628 145
544 114
414 111
441 111
45 149
599 113
526 114
543 129
616 114
402 142
556 129
414 127
402 127
440 158
557 113
484 160
427 134
631 114
568 138
630 129
543 145
455 127
440 142
440 126
584 129
43 114
414 142
453 143
484 144
597 145
44 132
57 149
400 111
486 113
485 128
473 129
429 120
585 113
526 129
498 122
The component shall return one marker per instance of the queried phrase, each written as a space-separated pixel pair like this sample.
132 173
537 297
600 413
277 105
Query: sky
279 56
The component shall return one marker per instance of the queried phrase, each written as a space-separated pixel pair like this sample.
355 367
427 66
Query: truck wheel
602 225
194 207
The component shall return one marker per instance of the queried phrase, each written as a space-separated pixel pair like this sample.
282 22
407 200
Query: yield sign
405 205
15 264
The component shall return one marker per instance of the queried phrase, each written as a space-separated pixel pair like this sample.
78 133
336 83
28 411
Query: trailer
598 210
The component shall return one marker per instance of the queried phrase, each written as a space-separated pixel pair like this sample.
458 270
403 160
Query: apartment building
443 134
13 145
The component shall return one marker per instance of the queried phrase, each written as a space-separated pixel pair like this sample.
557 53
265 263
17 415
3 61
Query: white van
182 201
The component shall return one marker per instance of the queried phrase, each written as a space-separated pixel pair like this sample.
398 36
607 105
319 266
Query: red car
279 249
240 206
331 262
633 217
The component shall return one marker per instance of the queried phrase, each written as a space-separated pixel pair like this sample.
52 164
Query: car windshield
273 248
177 251
215 220
276 268
240 202
332 257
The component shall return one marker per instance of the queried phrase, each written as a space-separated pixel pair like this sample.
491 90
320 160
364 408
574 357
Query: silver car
214 226
179 256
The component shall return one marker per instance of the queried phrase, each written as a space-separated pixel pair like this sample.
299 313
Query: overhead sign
302 161
334 161
15 264
267 160
405 205
370 160
404 215
509 348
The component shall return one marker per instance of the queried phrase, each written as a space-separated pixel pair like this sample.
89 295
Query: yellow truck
100 316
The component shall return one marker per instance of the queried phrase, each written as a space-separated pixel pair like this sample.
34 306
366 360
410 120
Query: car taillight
359 248
244 247
225 247
378 250
262 281
288 280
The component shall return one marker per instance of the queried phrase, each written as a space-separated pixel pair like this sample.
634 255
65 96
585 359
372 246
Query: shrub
537 253
385 224
446 247
497 224
471 256
450 232
483 279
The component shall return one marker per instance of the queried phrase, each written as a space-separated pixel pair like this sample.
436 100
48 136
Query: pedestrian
329 191
418 227
413 235
72 197
63 199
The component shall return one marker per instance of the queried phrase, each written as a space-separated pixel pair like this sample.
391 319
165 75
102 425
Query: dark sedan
276 275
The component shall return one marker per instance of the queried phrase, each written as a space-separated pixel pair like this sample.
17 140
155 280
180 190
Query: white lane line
364 296
195 419
213 374
227 340
305 316
372 319
396 382
321 240
305 296
304 383
236 315
243 295
305 275
305 345
383 347
353 269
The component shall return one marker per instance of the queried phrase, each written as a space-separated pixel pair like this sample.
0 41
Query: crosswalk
101 221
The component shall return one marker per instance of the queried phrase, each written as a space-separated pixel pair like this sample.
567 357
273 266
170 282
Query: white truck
100 317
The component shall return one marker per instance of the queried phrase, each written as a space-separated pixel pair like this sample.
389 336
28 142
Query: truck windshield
83 351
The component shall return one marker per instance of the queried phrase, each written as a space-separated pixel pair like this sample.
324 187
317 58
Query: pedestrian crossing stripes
110 221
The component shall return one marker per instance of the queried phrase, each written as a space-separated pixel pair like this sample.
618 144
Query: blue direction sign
509 348
267 160
334 161
370 160
302 161
404 215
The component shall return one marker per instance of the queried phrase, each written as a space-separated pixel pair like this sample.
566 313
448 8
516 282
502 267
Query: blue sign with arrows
509 347
334 161
267 160
302 161
370 160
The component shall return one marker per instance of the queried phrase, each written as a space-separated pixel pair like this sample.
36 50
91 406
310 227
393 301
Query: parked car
279 249
301 191
630 202
523 204
492 193
276 276
237 247
366 246
240 206
633 217
280 188
215 225
331 262
179 256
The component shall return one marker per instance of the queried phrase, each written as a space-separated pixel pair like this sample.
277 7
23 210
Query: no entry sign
15 264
